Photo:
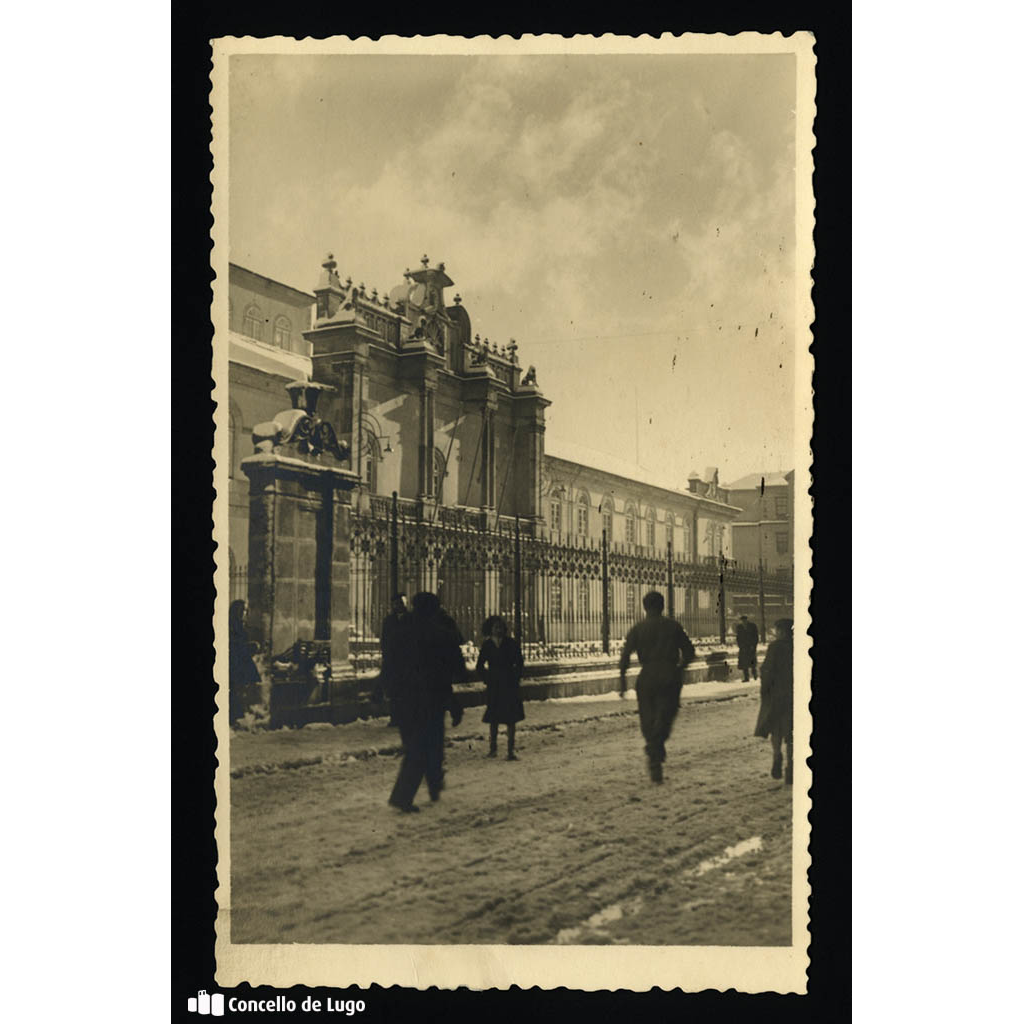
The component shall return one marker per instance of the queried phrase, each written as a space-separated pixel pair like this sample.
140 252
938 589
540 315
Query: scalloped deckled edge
589 968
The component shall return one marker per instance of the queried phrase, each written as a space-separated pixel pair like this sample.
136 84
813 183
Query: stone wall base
348 704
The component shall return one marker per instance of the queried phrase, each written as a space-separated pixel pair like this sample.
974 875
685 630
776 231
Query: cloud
568 200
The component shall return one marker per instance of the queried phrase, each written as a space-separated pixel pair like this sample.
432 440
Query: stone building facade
266 351
637 513
431 411
451 422
764 528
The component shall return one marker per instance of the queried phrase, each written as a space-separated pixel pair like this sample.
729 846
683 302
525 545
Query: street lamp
760 557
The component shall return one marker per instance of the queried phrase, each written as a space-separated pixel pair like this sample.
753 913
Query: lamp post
760 558
722 563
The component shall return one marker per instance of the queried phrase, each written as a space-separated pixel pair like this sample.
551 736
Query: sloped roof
592 459
752 481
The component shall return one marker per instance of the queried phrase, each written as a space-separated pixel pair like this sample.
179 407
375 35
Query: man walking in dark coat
747 638
775 718
427 661
663 650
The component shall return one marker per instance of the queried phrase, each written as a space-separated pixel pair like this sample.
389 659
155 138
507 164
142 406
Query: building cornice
258 355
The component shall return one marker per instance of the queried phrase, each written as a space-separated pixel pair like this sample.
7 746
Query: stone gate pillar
300 485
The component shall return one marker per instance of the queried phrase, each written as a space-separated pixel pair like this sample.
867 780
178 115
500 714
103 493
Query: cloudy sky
628 219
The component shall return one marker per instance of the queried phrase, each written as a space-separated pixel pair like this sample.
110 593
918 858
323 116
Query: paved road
571 844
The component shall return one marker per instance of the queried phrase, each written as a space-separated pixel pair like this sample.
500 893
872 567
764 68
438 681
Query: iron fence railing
553 591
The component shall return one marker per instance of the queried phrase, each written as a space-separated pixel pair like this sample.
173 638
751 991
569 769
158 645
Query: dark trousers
748 662
658 701
510 729
423 740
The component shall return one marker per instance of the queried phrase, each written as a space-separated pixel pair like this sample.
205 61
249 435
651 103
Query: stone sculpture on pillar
300 484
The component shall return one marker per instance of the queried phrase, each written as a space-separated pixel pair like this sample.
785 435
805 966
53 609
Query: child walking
501 666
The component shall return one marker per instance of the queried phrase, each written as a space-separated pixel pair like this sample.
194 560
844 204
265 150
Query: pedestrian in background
747 639
501 666
388 660
775 718
428 660
242 671
663 650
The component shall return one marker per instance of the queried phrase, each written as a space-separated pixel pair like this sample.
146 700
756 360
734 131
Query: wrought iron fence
553 591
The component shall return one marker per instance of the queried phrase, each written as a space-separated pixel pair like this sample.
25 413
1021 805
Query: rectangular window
781 543
556 517
781 508
606 524
583 521
650 534
630 530
584 599
669 539
630 603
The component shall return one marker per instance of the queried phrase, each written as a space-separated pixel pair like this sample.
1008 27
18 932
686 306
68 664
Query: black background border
193 746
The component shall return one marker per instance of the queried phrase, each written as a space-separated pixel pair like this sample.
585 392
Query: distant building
266 350
764 528
639 513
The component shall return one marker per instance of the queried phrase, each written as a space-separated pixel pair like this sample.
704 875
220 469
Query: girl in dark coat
242 670
501 665
775 718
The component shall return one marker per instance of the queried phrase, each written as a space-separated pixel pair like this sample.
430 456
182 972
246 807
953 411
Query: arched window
607 511
713 536
651 527
252 322
370 462
685 549
283 332
440 472
630 524
670 525
557 494
583 515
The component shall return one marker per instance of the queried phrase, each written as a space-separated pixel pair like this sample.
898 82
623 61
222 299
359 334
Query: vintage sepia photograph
512 443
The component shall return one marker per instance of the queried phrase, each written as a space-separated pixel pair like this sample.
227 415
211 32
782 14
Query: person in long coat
242 670
428 661
747 638
663 650
775 718
501 665
388 657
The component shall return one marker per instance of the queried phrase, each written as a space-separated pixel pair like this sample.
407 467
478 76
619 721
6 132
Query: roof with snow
752 481
593 459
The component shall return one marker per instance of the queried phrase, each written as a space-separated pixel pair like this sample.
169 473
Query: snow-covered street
571 844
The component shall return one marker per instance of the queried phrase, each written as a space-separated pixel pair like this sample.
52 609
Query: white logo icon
207 1004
